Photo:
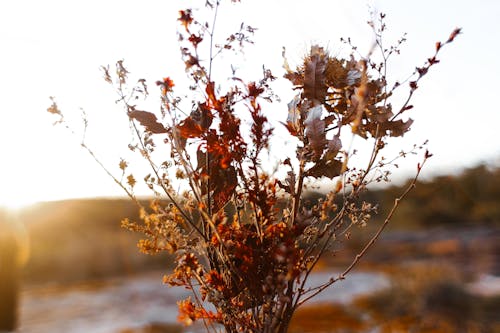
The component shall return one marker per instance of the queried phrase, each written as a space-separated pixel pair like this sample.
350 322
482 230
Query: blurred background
439 261
67 266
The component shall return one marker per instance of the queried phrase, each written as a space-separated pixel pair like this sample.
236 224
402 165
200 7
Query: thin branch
372 241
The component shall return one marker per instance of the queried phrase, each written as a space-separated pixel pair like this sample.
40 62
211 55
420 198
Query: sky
55 48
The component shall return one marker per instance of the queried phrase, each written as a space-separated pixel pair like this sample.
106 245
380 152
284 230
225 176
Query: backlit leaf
293 119
189 128
314 75
224 182
315 131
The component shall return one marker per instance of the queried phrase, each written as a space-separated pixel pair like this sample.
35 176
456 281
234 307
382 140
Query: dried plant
245 239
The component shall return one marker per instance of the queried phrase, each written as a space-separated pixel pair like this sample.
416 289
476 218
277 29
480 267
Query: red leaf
195 40
253 90
454 34
185 18
224 182
190 129
167 84
210 90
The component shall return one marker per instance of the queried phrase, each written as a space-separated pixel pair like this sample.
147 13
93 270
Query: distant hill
471 197
82 239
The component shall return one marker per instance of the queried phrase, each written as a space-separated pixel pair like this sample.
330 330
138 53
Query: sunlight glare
15 203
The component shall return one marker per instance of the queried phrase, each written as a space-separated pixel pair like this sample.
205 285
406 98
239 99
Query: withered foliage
245 240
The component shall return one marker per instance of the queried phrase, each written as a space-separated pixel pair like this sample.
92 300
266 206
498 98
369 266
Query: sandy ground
113 305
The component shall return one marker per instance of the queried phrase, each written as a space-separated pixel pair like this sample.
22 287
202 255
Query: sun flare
15 203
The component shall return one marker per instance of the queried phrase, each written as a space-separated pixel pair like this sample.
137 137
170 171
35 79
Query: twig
372 241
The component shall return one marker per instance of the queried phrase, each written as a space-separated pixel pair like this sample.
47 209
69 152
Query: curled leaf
315 131
293 119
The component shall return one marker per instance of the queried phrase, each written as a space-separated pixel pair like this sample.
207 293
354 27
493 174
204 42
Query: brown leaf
334 146
454 34
314 75
399 127
218 180
254 90
315 131
148 120
185 18
393 128
123 164
336 73
295 78
131 180
325 168
293 119
195 40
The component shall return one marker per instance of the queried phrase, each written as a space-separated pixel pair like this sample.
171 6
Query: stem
373 239
298 191
216 10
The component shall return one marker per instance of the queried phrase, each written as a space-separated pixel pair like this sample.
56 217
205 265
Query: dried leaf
399 127
337 71
167 84
131 180
454 34
353 76
224 182
54 109
189 128
185 18
315 131
325 168
123 164
314 75
334 146
293 119
210 90
148 120
195 40
254 90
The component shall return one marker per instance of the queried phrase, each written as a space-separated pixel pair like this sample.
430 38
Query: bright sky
55 48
